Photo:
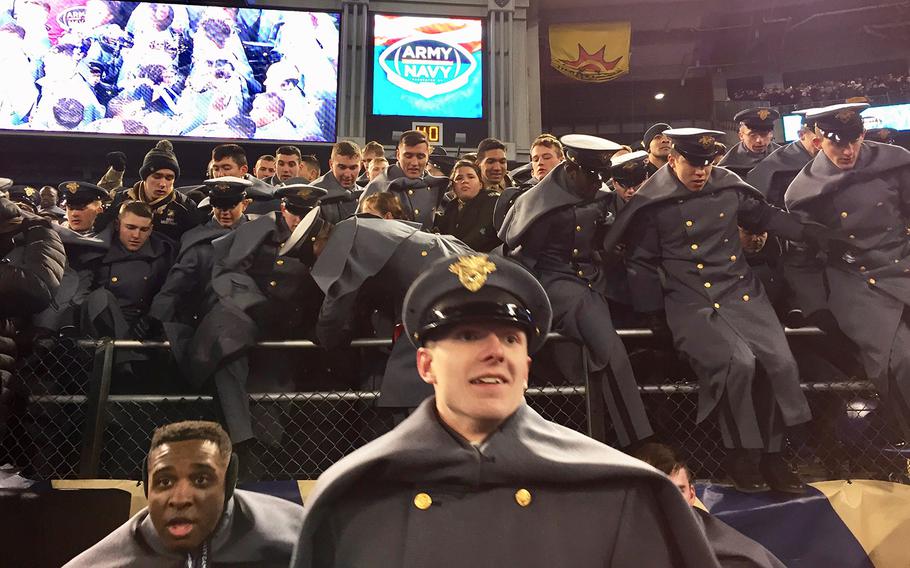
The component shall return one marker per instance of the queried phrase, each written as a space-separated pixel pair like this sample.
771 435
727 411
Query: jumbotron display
888 116
101 66
427 67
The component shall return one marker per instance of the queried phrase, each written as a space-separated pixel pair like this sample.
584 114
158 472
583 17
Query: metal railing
77 421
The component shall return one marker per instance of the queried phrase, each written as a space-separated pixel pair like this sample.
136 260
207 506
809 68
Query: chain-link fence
63 432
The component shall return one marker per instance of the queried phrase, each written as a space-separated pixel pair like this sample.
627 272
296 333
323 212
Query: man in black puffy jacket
31 266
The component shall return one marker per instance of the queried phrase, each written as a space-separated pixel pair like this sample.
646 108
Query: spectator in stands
310 168
554 230
859 190
121 281
756 140
287 163
195 515
62 80
18 70
732 548
420 194
265 292
546 154
187 294
382 205
475 321
265 167
491 158
284 78
371 151
657 146
339 182
716 309
469 217
84 202
377 166
32 260
268 114
174 212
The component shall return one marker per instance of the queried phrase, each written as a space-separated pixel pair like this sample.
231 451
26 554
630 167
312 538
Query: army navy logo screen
427 67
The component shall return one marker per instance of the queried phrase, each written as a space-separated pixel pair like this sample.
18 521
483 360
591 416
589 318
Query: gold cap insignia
629 166
472 271
30 191
72 187
707 141
845 116
222 186
304 193
763 114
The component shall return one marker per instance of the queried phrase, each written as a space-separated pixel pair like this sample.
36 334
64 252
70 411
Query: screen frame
12 132
798 119
484 71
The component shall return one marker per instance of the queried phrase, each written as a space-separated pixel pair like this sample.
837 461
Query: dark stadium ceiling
678 36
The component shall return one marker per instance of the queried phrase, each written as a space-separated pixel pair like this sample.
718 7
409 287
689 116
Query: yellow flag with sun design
594 53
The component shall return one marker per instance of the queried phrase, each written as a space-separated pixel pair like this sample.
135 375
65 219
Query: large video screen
888 116
427 67
102 66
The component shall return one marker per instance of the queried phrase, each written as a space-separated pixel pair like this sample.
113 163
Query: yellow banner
594 53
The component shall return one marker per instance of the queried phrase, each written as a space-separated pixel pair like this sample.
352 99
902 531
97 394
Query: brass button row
423 501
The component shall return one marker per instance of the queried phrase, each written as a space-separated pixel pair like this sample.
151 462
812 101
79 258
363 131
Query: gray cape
260 530
563 471
772 175
732 548
740 160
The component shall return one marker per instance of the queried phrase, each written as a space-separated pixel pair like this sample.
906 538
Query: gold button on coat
279 262
732 258
114 279
693 246
410 192
423 253
577 228
699 266
574 252
843 214
721 215
417 212
716 306
872 281
707 284
273 283
422 501
745 297
523 497
689 223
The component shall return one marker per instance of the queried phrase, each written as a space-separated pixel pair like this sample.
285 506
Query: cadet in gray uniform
772 176
195 516
264 292
756 135
475 477
546 154
339 182
555 230
684 256
420 194
861 191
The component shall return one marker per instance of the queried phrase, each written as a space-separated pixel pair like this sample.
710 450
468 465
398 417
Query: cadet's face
227 167
842 155
289 218
377 168
755 140
693 177
466 184
367 158
660 146
186 492
345 169
680 479
159 184
543 159
413 159
308 173
81 218
479 373
264 169
625 193
752 242
228 217
288 166
134 231
493 166
48 197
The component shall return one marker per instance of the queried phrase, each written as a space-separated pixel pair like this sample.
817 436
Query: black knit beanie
160 157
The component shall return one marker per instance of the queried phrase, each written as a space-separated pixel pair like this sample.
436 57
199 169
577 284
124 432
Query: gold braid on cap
472 271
